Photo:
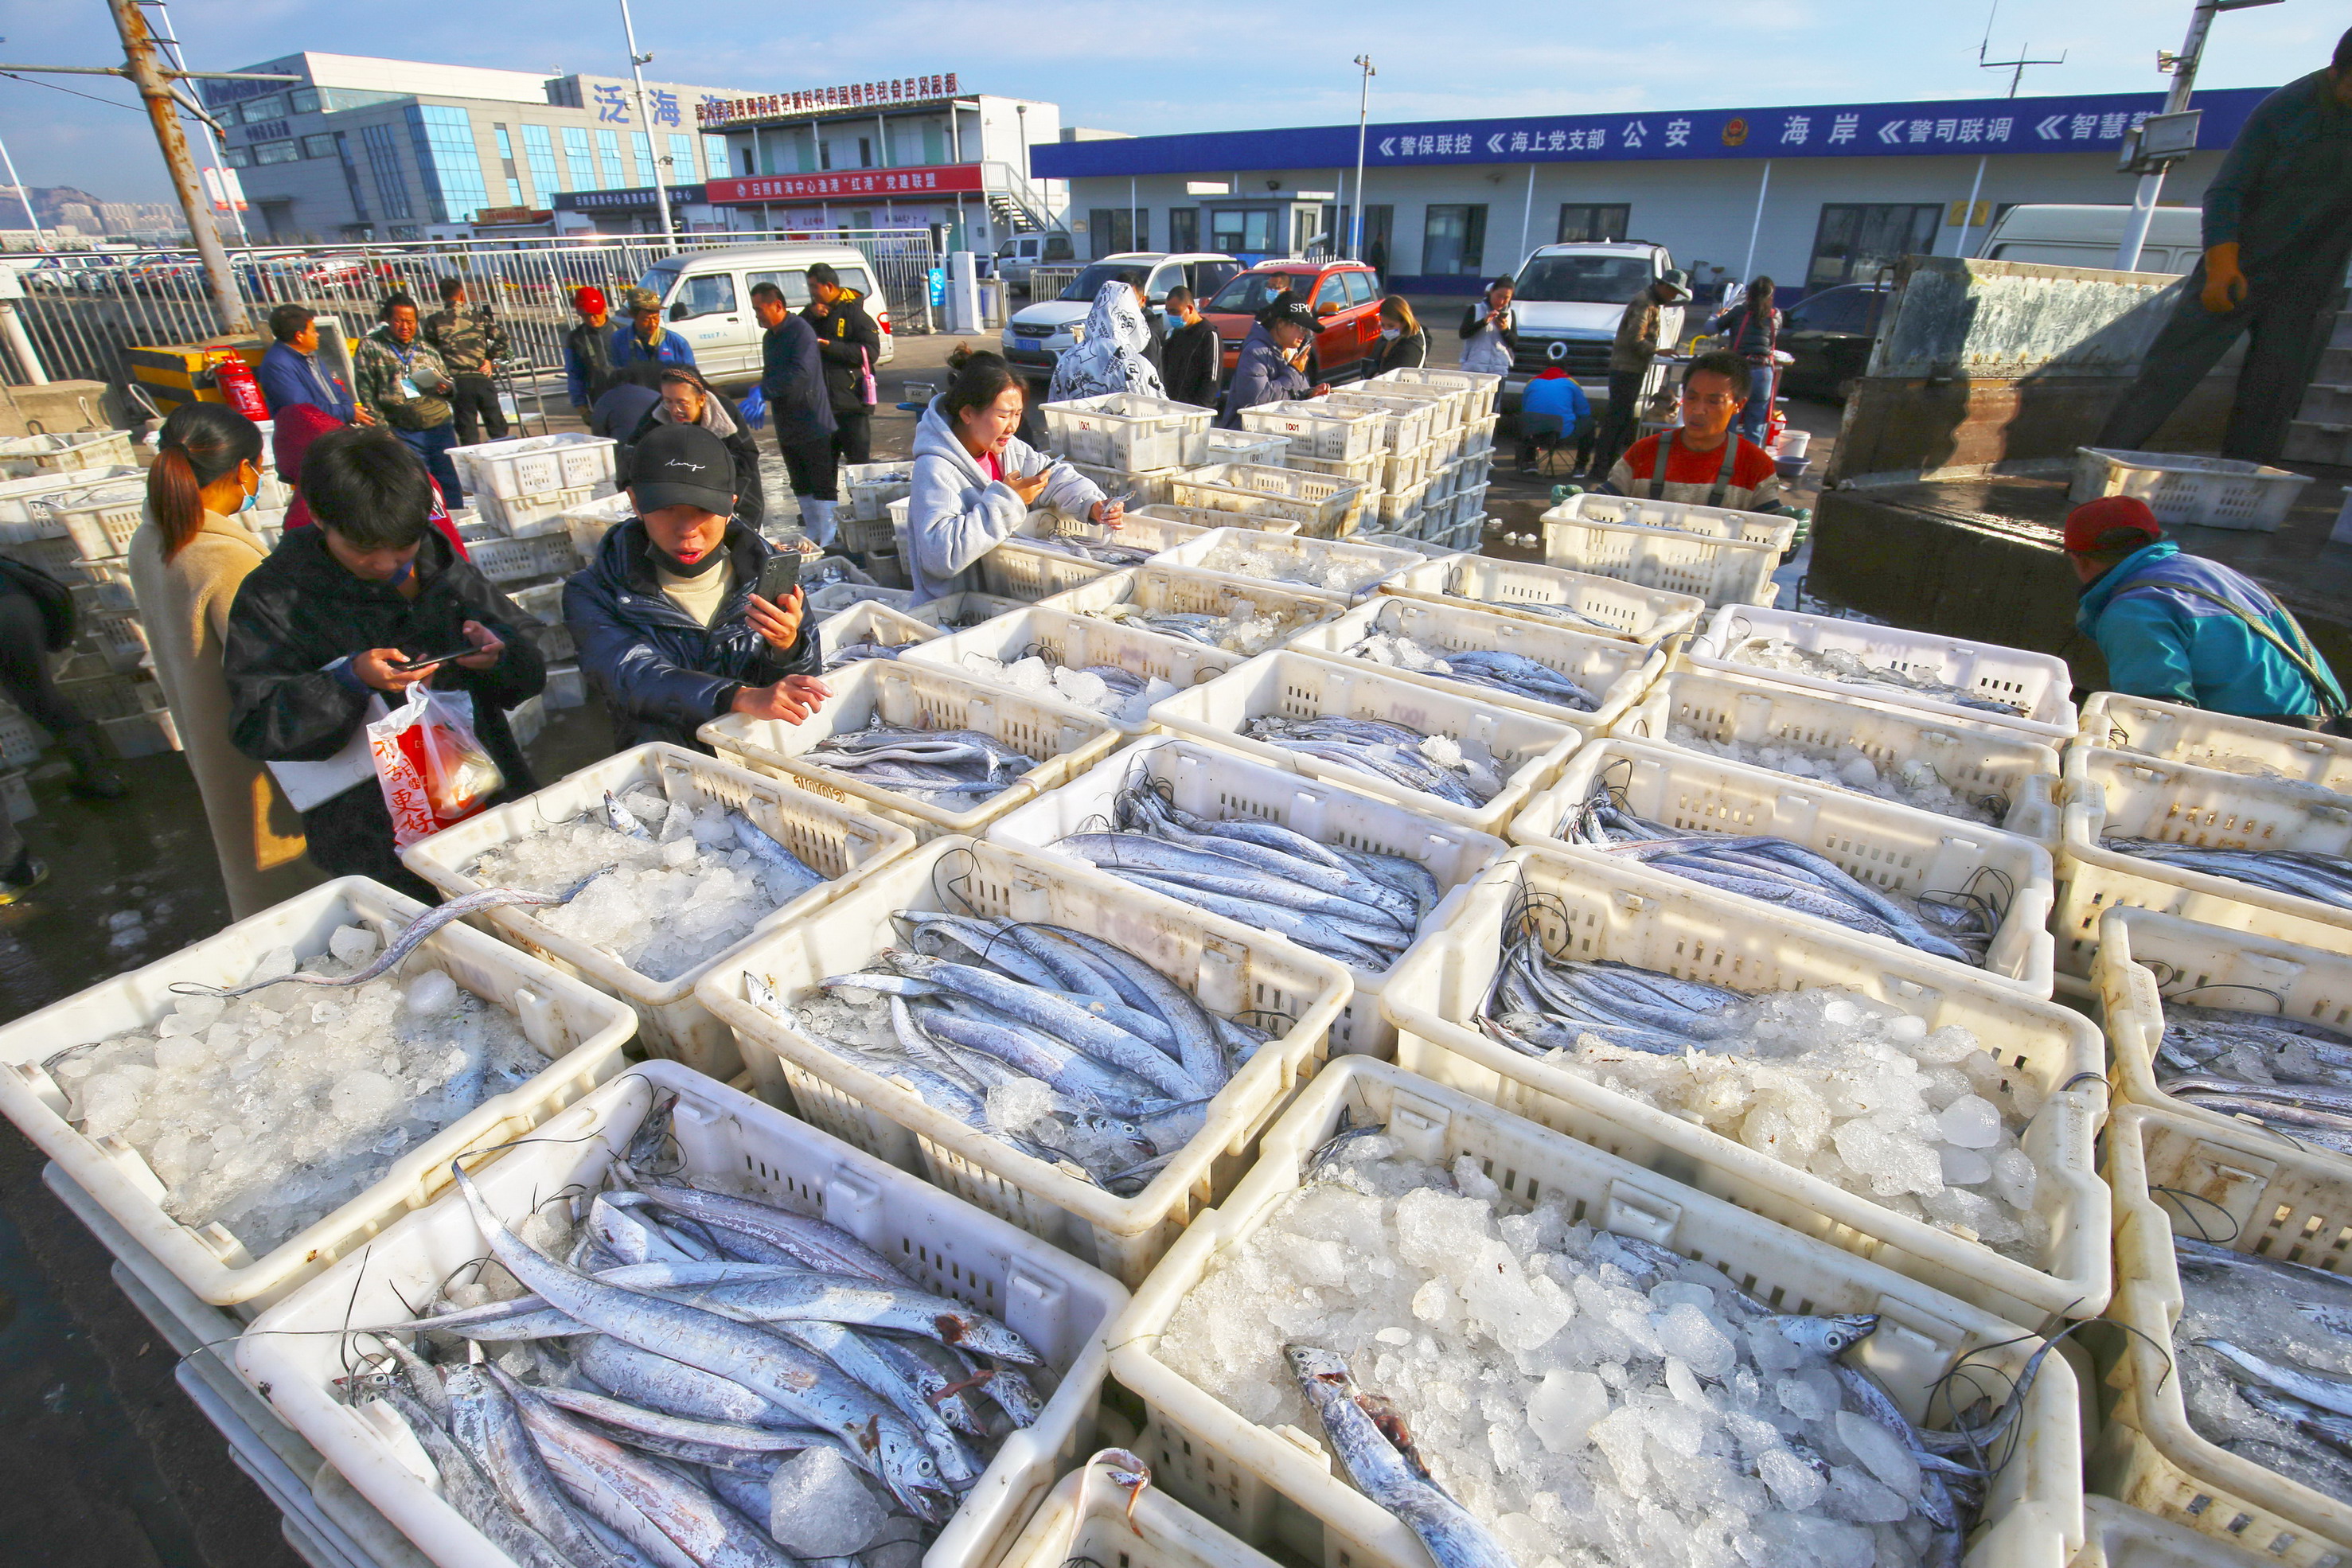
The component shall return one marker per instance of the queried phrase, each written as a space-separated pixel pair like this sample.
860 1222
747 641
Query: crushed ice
1911 781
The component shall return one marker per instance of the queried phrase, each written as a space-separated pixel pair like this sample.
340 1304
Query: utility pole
2016 70
645 126
170 40
1364 112
2183 67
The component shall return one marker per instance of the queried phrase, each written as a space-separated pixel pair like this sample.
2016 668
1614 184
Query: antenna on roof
2016 70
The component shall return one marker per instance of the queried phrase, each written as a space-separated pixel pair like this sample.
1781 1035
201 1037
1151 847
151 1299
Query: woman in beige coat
186 560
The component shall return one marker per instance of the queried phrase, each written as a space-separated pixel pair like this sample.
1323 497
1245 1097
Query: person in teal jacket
2185 629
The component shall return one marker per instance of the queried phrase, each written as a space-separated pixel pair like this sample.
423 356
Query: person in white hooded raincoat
1111 354
975 481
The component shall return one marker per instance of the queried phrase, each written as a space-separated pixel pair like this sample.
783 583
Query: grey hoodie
956 514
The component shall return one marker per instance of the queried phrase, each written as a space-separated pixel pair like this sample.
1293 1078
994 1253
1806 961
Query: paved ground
106 1464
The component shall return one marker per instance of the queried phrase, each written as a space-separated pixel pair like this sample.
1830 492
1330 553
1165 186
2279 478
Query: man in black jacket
1192 360
666 619
852 346
321 629
800 409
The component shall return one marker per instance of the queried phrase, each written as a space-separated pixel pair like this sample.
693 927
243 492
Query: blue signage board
2092 124
633 198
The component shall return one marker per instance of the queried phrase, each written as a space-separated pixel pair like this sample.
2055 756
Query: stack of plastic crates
1129 445
526 485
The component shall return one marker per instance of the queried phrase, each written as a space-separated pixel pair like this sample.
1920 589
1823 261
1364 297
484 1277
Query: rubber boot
816 519
94 776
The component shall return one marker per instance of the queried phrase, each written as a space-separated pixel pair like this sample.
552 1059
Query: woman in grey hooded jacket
975 480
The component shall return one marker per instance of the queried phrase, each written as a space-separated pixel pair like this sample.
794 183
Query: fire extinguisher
237 388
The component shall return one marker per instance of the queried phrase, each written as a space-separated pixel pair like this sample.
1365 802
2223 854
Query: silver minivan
706 299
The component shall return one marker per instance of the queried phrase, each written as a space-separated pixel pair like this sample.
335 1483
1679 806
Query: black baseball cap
682 465
1286 306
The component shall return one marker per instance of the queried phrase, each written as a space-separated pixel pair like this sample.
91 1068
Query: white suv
1035 337
1568 299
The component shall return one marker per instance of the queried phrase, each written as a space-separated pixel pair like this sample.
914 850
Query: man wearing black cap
1272 365
666 618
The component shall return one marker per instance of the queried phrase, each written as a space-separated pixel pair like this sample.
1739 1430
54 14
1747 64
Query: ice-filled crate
1341 569
1576 600
1071 646
1724 557
1271 614
2174 732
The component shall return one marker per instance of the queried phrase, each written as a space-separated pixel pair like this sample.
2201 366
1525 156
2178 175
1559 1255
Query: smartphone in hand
428 660
779 576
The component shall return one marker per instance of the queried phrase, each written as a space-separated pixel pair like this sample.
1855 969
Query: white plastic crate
521 560
1618 672
1513 587
1448 405
1282 1495
1145 528
1444 480
586 524
1300 553
1467 504
835 597
1679 517
21 519
2145 957
1207 516
2205 493
1526 751
1988 761
1182 590
1087 1519
1318 427
1128 430
841 842
1407 425
1478 434
1141 486
1412 542
1401 509
581 1031
1402 469
1460 538
871 623
1222 786
21 740
2176 734
528 517
1722 570
1059 1305
67 453
2252 1192
1600 909
868 489
543 602
1016 570
957 612
2118 1535
535 465
1229 967
2139 797
1253 446
1321 505
1899 849
1076 641
99 521
1478 388
2037 682
1365 470
1063 737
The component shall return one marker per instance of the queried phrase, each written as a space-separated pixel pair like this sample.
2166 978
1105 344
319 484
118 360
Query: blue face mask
252 499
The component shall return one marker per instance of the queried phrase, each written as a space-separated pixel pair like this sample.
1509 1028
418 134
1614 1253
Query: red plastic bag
430 764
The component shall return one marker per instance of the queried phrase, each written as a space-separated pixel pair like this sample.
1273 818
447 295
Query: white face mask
1392 333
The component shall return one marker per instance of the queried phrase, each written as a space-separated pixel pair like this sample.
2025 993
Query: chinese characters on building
855 95
1810 132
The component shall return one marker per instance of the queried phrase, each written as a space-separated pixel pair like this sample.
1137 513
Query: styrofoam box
1526 751
1989 762
1221 785
1517 587
1628 913
871 623
1128 430
534 465
1089 1518
2118 1535
1075 642
1056 1303
2144 956
1320 504
1062 736
1278 1493
2038 682
1899 849
1722 570
1300 554
1229 968
2139 797
1182 590
2176 734
2251 1191
840 843
1318 427
2207 492
1616 671
579 1030
1146 528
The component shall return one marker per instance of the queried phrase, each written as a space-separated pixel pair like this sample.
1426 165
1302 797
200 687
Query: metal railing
82 309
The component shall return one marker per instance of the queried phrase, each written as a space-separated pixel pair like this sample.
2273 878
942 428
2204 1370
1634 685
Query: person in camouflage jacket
403 382
470 341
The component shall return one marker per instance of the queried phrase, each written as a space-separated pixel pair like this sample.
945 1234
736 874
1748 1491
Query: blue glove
754 408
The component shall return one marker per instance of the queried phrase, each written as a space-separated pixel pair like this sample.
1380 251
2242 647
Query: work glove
2225 286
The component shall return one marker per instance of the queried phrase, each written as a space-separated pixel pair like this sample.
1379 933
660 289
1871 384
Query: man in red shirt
1702 461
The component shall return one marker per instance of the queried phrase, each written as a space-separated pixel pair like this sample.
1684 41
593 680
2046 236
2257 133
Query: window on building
1380 225
866 152
303 101
277 153
1860 243
1453 240
682 159
1184 229
935 141
539 151
714 157
443 138
823 151
641 154
508 168
351 177
1112 230
268 105
608 160
238 158
1240 231
321 145
578 163
1593 223
383 144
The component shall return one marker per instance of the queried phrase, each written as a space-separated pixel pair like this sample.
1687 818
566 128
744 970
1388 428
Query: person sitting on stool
1554 410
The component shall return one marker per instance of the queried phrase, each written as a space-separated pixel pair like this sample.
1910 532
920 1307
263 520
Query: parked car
2073 236
1016 257
707 299
1568 299
1037 336
1830 334
1345 296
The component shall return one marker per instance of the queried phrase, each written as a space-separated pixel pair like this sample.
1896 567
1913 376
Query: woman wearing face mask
191 553
1113 353
1403 346
688 399
975 480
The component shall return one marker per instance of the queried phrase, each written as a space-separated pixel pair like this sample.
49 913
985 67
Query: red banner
939 180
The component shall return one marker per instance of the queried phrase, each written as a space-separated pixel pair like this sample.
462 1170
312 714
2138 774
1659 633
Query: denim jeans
1758 413
433 445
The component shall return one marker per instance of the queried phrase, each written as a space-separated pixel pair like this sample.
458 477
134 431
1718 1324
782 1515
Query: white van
2087 237
706 299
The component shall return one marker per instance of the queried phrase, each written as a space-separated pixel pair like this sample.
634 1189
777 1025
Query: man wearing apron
1703 461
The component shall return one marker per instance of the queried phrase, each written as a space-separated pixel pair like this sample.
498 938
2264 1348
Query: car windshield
1583 279
661 278
1088 284
1254 291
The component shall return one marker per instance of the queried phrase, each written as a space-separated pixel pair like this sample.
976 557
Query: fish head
983 1336
909 1468
1827 1335
1322 1373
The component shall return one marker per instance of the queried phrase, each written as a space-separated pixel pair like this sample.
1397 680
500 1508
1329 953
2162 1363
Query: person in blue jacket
2185 629
666 619
1274 356
290 372
643 340
1554 406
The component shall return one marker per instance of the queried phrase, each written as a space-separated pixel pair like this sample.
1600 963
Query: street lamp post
1363 110
646 124
2184 78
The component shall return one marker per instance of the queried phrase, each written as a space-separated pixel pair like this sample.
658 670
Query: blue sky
1225 65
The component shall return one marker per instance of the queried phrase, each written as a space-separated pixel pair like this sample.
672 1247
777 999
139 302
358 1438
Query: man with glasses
1703 461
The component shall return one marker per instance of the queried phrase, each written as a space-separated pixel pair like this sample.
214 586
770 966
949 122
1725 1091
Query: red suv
1344 295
